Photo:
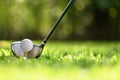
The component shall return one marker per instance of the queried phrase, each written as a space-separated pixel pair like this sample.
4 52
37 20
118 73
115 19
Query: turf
70 60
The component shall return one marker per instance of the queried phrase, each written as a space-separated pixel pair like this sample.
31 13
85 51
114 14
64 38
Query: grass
64 61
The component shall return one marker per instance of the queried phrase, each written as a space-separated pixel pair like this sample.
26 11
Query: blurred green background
85 20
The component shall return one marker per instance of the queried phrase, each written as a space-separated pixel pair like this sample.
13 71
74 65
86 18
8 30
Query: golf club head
18 52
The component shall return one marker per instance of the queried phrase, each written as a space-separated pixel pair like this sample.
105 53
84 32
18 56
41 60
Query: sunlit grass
64 61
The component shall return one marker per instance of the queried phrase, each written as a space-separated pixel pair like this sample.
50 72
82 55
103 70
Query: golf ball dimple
26 45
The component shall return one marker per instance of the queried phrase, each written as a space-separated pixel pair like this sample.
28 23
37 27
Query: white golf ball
26 45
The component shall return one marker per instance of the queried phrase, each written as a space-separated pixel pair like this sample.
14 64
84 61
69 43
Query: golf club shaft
57 22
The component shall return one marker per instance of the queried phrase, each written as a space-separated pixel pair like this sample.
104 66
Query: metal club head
33 53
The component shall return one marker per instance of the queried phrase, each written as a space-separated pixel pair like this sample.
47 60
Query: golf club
26 49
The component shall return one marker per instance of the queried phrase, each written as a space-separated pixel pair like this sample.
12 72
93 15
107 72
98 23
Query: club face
18 52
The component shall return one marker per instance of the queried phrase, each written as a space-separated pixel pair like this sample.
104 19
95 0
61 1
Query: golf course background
84 46
85 20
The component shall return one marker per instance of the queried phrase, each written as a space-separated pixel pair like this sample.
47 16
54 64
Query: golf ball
26 45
